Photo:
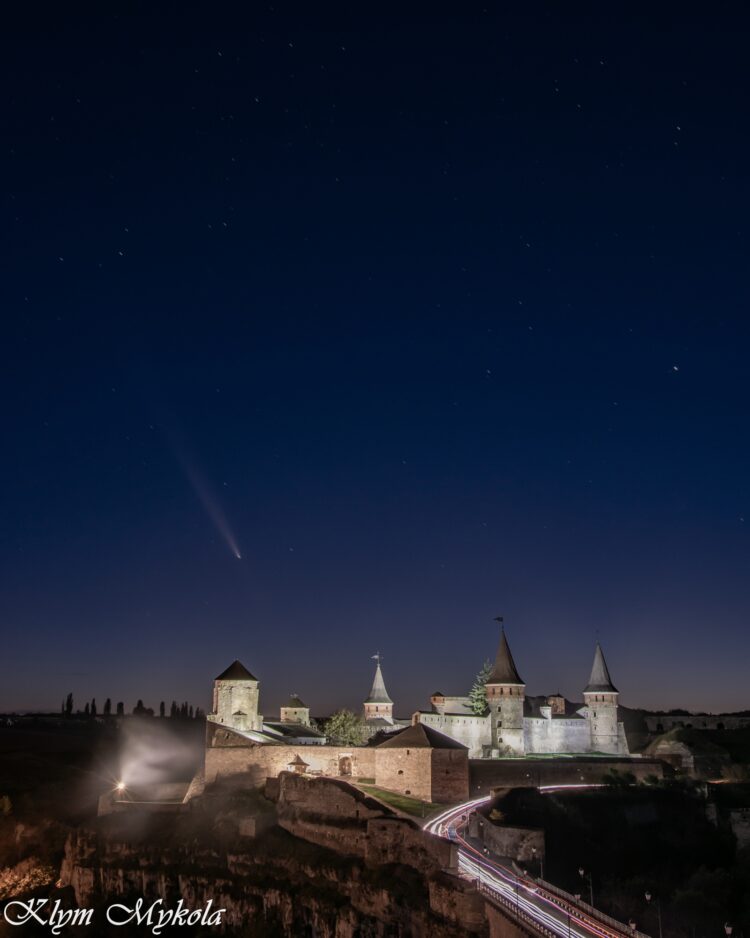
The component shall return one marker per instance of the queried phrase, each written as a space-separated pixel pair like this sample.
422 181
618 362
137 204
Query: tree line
183 711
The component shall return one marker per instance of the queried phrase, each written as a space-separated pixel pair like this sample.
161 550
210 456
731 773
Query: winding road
552 914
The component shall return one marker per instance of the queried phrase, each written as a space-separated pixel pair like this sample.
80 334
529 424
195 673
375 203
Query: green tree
345 728
478 692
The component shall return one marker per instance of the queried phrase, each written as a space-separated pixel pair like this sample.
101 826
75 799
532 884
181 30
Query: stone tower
505 698
295 711
601 697
236 699
379 705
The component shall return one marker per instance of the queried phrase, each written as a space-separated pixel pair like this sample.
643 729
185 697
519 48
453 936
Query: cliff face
277 885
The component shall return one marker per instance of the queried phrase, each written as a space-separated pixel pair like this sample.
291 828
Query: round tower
235 702
601 697
378 705
506 694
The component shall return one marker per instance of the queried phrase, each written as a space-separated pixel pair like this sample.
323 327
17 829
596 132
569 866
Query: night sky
432 317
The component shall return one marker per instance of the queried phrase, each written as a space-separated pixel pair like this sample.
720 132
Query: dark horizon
329 333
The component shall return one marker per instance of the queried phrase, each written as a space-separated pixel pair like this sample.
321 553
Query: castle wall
456 705
486 774
472 731
450 776
258 762
439 775
558 735
539 734
407 771
335 816
523 844
662 723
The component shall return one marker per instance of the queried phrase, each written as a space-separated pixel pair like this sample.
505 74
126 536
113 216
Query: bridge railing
516 914
590 910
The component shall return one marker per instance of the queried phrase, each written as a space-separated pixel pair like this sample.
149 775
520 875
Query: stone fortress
517 726
426 756
413 760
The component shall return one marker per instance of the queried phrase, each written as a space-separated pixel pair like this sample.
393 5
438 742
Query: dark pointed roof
504 670
294 701
419 736
378 693
600 681
236 672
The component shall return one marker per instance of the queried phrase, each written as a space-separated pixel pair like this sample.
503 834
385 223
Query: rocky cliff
272 884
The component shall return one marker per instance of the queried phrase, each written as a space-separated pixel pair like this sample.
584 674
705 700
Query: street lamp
584 875
541 861
649 897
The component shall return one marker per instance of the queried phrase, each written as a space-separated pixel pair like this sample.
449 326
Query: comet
213 509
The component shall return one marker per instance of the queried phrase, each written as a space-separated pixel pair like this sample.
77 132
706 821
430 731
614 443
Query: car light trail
544 907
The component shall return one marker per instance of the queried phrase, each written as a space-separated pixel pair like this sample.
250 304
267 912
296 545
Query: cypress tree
478 692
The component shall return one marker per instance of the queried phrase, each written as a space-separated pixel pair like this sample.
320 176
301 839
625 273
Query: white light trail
542 906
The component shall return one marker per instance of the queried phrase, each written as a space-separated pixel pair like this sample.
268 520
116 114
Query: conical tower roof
236 672
600 682
504 670
378 694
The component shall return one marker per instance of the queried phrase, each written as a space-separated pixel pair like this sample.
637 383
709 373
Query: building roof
236 672
532 707
600 681
294 701
420 736
292 730
504 670
378 693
